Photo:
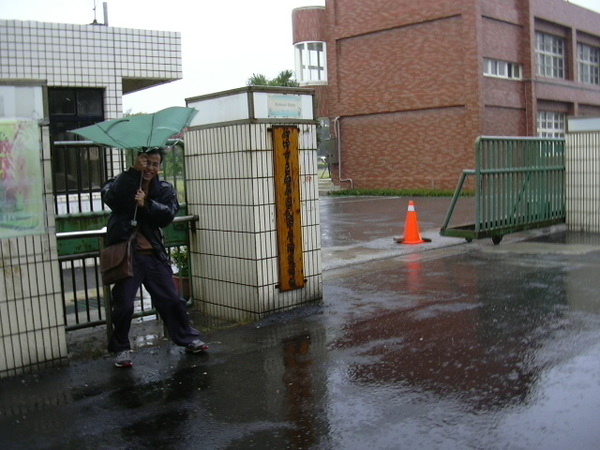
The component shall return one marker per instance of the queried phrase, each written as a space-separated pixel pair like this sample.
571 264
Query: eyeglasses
155 165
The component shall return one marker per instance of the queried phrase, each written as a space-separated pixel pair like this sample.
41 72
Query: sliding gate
519 185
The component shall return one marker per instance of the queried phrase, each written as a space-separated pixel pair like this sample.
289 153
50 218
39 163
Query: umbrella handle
134 220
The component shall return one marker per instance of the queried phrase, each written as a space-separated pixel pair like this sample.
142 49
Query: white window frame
502 69
551 124
311 62
588 58
550 55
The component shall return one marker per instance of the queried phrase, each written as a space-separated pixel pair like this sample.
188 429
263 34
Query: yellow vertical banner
287 207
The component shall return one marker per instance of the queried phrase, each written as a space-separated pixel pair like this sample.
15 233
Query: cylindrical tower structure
309 39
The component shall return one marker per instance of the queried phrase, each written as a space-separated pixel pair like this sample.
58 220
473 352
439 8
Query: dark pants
157 277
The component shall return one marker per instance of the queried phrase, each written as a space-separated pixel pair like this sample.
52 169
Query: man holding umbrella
141 204
153 203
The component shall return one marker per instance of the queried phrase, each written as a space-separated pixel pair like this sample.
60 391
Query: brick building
408 86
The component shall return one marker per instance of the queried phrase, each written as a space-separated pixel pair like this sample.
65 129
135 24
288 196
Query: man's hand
140 198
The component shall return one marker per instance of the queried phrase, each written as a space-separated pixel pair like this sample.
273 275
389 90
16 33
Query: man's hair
154 151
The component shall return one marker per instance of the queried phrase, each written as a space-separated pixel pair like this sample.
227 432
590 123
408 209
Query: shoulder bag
116 261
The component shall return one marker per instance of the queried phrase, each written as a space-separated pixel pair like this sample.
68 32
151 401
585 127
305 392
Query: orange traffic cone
412 235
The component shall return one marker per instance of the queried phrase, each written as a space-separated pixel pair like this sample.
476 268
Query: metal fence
86 300
519 185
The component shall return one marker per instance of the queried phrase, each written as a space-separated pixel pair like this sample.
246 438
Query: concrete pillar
582 166
251 169
32 332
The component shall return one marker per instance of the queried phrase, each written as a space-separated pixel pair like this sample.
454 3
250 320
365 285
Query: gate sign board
21 183
287 106
287 207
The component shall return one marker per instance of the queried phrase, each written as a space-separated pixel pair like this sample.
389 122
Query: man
140 188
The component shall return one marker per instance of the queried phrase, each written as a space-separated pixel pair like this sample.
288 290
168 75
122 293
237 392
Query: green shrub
181 259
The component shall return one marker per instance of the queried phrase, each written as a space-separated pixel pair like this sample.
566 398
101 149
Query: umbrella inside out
137 132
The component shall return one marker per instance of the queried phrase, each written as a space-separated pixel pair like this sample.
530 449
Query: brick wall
308 24
504 121
501 40
321 101
403 69
418 149
410 114
359 17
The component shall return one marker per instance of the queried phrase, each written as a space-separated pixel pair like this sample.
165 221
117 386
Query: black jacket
159 211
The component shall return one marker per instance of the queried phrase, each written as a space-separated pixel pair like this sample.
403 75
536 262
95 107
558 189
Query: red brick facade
309 24
406 80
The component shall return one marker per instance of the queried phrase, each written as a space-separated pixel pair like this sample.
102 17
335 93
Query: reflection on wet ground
471 346
462 335
457 343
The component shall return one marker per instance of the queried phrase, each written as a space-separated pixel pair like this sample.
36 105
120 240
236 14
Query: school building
406 87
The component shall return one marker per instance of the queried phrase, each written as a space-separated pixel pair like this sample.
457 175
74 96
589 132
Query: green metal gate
519 185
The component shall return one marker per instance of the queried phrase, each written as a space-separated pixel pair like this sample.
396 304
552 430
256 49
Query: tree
285 78
257 80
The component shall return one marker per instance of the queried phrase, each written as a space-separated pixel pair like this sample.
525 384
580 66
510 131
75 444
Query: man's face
149 165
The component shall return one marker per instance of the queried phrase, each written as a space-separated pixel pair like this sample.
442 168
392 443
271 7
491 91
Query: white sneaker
196 346
123 359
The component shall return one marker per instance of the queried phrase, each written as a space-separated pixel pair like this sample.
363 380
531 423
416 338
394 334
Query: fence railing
86 301
519 184
81 167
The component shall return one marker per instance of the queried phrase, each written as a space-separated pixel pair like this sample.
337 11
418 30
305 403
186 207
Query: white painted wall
583 175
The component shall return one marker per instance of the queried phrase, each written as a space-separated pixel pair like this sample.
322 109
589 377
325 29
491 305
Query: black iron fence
86 301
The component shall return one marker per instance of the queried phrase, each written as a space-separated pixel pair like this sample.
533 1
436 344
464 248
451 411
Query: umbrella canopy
138 132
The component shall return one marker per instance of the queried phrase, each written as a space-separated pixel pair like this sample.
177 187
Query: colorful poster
21 182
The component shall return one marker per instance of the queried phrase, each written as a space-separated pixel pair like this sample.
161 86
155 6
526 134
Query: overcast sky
224 42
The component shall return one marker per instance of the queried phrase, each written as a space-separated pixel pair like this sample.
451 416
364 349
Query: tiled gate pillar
582 164
32 332
252 179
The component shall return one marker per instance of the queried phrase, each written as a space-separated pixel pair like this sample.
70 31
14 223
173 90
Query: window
589 64
550 124
311 63
72 108
550 55
76 169
21 102
501 69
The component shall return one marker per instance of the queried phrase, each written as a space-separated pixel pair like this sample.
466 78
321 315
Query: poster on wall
21 183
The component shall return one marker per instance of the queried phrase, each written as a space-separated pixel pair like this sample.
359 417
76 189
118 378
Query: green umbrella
139 132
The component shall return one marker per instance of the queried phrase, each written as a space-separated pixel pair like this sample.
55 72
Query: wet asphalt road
445 345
